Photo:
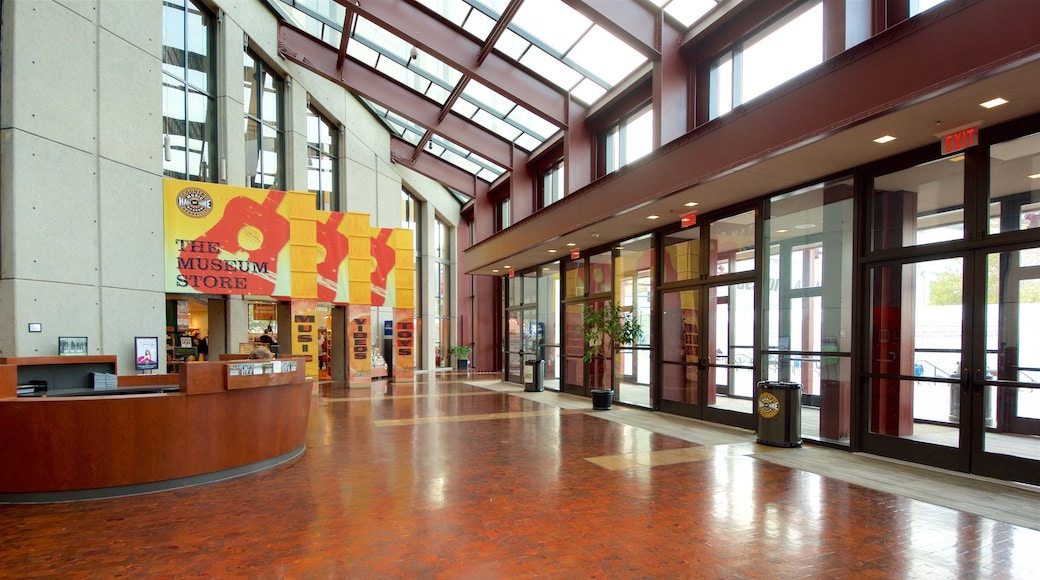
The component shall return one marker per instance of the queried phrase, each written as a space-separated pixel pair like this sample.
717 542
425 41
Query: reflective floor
444 478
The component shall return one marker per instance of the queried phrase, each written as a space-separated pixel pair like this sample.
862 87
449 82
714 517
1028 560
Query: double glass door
954 375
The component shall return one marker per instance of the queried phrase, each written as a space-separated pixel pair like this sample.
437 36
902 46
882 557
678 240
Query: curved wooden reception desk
221 419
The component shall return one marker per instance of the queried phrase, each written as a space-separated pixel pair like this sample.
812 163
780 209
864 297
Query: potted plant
605 327
461 354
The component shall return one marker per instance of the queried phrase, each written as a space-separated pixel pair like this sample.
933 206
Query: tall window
628 140
442 320
265 136
410 207
505 219
552 184
189 92
785 49
323 160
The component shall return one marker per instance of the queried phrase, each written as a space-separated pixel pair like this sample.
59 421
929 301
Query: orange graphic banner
404 343
359 343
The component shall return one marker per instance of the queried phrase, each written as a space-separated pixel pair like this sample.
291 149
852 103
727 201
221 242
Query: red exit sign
960 140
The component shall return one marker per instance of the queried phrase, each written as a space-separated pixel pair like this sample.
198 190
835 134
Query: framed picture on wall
72 346
146 349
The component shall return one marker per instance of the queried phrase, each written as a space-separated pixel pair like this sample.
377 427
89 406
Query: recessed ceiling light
783 231
1034 176
653 217
805 226
884 139
993 103
570 244
494 271
506 267
690 204
552 251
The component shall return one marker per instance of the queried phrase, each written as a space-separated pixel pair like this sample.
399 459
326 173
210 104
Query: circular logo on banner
194 202
768 405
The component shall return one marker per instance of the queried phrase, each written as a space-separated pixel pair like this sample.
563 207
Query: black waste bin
779 413
537 374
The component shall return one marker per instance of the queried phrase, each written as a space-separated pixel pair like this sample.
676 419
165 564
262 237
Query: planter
602 400
463 364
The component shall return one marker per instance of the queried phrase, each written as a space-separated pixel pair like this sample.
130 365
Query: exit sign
960 140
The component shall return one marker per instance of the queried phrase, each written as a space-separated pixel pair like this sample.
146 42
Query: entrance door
954 372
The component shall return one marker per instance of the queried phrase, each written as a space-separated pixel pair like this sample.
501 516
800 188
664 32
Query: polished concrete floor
459 477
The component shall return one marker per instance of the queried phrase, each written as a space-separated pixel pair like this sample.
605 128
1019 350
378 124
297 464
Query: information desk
223 420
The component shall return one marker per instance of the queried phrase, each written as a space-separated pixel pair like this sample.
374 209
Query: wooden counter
216 425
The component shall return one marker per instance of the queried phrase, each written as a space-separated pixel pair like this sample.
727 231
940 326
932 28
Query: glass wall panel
808 329
733 244
599 277
730 342
633 279
1014 185
919 205
575 278
574 347
682 255
549 337
680 345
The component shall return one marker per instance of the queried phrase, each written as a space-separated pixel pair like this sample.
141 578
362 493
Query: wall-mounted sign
960 140
688 220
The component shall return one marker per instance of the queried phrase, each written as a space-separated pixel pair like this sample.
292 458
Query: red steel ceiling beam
628 20
402 152
299 47
441 39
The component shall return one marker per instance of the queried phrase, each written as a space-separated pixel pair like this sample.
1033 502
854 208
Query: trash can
779 413
537 370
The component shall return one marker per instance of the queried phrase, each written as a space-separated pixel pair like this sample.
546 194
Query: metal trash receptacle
779 406
536 384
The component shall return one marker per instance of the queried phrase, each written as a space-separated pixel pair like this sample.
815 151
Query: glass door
1004 381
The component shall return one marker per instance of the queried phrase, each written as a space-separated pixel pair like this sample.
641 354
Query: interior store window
504 216
808 323
732 244
264 133
783 50
323 160
629 139
189 92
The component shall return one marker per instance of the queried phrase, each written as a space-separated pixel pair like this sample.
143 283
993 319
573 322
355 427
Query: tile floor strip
466 418
674 456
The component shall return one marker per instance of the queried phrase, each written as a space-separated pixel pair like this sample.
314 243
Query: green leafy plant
460 351
608 324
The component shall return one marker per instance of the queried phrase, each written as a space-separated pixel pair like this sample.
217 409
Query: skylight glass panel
460 161
551 68
454 10
688 11
481 95
437 93
551 22
602 54
488 175
527 142
464 108
496 125
478 25
512 45
532 123
588 92
363 54
435 69
382 39
400 74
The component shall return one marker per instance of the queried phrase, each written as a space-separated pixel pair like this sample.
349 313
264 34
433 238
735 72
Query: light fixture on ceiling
1034 176
805 226
413 53
552 251
690 204
884 139
571 244
653 217
993 103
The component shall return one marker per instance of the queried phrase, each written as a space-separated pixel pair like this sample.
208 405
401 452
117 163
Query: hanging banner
303 245
359 344
384 257
305 333
225 240
404 343
332 256
360 261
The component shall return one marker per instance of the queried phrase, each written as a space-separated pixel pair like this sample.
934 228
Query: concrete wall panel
131 228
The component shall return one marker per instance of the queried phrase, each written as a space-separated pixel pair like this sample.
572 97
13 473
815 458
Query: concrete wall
81 230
